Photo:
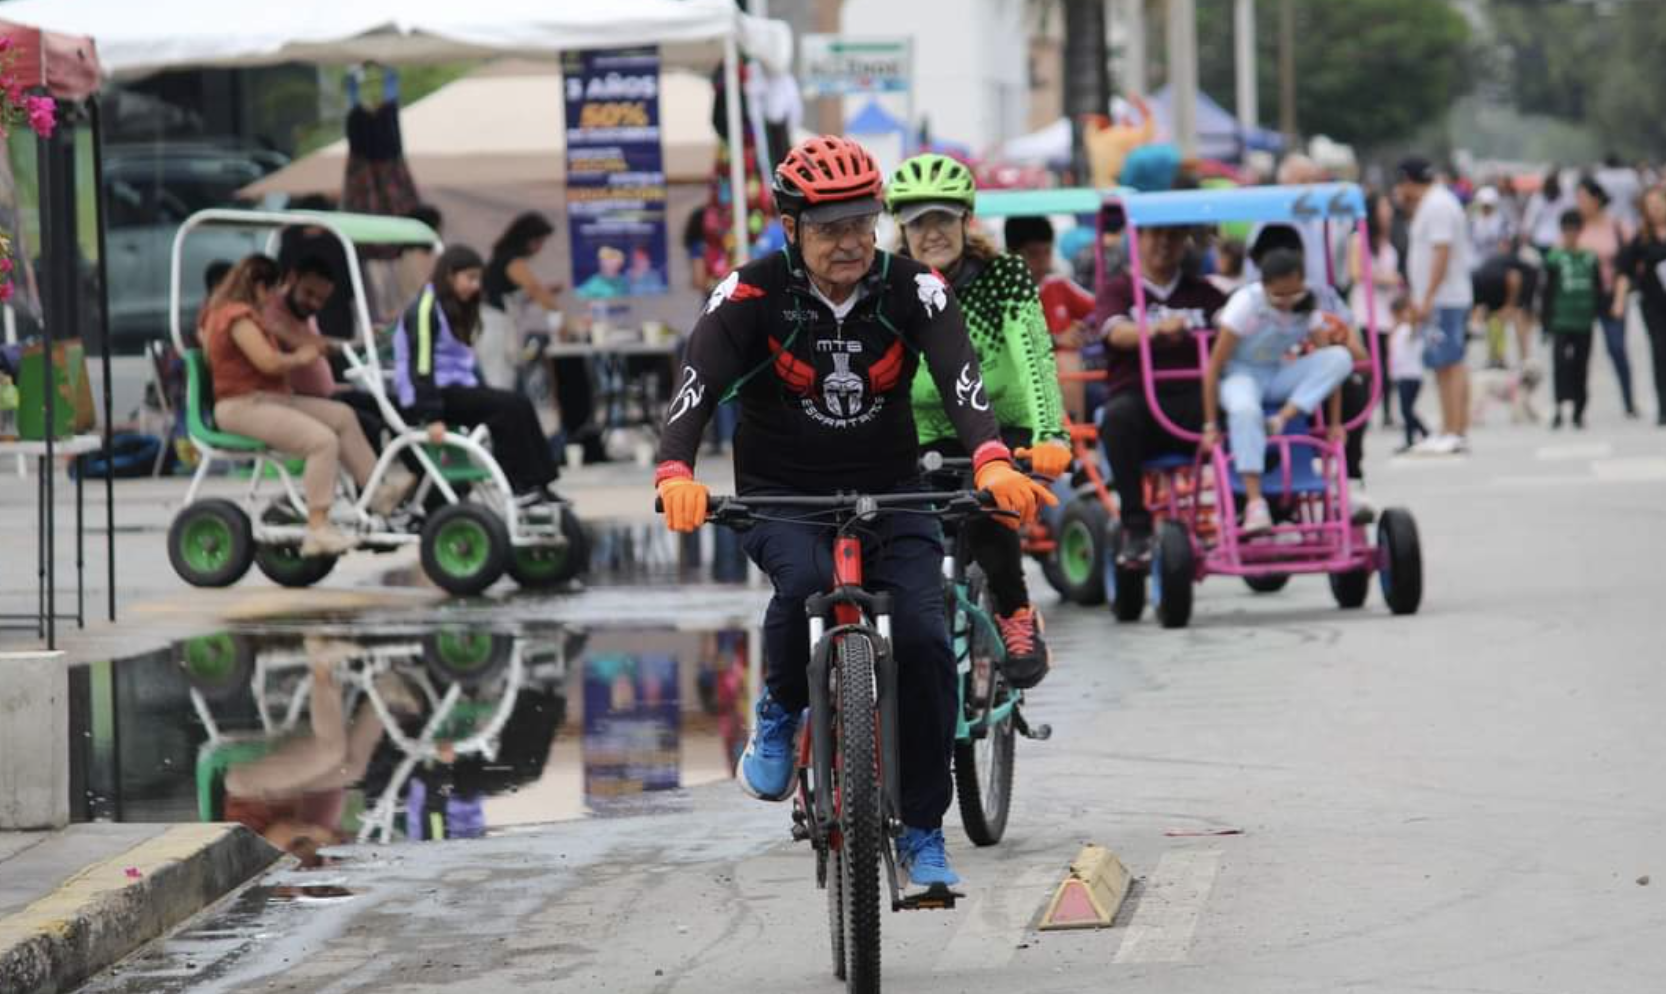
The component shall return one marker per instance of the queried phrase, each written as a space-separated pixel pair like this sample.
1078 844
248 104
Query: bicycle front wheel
860 830
983 763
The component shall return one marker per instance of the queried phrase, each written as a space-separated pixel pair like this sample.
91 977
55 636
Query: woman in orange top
252 397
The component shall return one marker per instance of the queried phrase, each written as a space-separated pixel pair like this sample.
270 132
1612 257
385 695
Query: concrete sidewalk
75 901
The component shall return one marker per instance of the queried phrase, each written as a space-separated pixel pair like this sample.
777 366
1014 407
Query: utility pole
1243 38
1287 71
1130 16
1182 58
1087 85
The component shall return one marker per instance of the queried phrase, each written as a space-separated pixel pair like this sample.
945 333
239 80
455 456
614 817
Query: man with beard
291 315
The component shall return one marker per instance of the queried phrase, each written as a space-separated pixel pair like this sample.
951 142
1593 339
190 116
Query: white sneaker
1258 517
1437 445
327 541
1364 512
396 484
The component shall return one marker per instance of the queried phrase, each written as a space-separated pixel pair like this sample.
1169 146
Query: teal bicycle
990 717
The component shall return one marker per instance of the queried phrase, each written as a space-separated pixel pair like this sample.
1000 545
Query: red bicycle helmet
828 170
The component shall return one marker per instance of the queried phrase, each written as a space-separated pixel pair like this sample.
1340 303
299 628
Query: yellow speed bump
1091 894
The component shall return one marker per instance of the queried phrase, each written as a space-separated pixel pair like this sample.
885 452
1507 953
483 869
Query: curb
111 908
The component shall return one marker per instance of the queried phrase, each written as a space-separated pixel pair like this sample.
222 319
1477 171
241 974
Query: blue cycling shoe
766 767
921 855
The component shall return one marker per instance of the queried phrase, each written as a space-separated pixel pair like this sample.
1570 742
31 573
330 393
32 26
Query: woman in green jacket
932 197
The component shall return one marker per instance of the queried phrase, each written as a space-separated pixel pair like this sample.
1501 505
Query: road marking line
1576 450
1541 482
1632 469
995 923
1170 906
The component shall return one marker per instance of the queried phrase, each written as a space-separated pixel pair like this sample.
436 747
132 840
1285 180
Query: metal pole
96 122
737 151
1086 77
1287 70
1132 16
1182 52
1244 62
52 312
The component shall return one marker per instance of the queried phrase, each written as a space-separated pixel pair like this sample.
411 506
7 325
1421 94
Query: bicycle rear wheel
861 833
983 764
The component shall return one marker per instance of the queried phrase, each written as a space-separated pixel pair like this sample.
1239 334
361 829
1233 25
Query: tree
1368 72
1626 101
1550 54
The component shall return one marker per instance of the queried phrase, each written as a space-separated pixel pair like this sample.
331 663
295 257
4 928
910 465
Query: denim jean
1306 382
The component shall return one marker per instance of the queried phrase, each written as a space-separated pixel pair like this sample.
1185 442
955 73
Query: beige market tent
503 126
142 37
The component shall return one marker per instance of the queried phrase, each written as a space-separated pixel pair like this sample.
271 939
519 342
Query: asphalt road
1470 799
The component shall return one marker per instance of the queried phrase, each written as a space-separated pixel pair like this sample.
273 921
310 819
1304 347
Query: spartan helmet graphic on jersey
841 390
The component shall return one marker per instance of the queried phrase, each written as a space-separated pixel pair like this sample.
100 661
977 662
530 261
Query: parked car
151 188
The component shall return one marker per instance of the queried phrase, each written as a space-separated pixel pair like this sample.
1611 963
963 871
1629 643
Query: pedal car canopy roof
1289 204
135 38
360 229
1061 200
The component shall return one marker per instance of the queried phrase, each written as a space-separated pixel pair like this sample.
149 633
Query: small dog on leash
1510 388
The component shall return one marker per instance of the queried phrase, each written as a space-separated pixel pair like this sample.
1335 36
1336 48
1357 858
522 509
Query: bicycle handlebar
934 462
728 510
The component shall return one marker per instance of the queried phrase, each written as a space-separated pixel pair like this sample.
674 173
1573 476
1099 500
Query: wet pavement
468 717
1466 799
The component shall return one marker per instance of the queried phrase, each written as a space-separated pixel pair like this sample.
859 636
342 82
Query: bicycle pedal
937 898
1040 733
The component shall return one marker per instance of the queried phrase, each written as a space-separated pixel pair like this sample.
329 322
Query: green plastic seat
199 407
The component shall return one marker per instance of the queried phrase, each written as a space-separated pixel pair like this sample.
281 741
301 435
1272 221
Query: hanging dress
378 180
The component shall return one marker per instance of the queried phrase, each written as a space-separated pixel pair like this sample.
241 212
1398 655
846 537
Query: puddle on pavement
328 732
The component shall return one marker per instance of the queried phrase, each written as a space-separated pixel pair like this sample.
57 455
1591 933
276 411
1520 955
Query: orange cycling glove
684 499
1048 459
1013 491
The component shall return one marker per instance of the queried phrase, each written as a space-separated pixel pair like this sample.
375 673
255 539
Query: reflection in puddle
328 736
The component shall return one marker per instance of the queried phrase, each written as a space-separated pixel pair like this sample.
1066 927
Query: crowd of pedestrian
1529 269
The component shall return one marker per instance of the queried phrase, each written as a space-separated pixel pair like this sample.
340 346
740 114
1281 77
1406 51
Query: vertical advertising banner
616 192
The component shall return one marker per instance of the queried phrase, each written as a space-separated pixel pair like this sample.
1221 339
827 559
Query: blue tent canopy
1289 204
1219 135
873 119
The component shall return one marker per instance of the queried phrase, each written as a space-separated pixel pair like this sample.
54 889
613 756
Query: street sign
836 66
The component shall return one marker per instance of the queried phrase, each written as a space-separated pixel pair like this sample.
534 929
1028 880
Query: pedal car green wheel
540 566
1081 550
464 549
1401 569
1173 568
219 665
284 564
466 655
210 543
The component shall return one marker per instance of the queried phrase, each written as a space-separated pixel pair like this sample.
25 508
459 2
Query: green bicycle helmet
931 177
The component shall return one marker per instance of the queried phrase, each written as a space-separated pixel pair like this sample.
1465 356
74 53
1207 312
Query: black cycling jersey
824 401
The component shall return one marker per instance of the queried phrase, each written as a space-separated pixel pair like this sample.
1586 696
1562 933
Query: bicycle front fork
822 733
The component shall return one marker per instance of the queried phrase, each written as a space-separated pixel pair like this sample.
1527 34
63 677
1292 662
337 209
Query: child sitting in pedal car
1280 342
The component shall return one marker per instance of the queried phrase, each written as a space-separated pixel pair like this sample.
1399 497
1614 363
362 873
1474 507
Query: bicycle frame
967 617
855 613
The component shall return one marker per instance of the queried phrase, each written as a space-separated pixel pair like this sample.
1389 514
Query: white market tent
136 38
515 134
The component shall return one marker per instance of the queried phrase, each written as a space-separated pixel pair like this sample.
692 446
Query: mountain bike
848 805
989 718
